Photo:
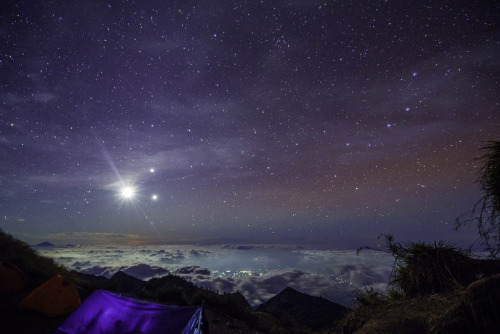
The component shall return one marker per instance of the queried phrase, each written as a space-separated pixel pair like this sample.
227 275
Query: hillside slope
436 288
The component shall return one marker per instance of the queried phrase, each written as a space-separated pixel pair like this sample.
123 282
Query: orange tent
57 296
11 278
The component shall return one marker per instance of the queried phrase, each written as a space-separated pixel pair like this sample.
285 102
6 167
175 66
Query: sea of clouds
258 272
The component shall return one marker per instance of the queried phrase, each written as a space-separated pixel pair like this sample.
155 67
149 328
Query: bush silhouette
486 211
423 269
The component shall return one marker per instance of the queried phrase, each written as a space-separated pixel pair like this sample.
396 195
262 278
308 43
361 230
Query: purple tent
104 312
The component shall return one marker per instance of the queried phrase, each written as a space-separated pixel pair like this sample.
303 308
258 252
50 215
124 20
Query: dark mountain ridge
304 310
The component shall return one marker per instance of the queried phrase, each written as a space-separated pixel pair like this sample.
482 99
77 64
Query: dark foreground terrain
288 312
436 289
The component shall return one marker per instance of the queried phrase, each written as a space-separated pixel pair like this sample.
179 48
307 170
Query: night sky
268 121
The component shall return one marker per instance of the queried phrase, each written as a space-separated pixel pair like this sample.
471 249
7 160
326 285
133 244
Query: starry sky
268 121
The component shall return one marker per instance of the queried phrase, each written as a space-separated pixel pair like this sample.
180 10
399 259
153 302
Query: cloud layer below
258 272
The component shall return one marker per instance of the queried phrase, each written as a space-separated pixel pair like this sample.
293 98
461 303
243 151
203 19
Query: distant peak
45 244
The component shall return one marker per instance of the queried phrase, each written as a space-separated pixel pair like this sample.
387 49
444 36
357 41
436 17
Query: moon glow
127 192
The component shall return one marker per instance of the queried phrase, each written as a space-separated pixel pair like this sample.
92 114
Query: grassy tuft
423 269
368 296
434 289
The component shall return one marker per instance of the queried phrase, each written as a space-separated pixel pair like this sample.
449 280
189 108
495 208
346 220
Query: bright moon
128 192
154 197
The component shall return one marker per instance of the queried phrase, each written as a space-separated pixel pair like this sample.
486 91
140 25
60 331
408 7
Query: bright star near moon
154 197
152 170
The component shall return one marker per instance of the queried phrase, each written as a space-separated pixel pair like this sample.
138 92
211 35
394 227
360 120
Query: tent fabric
104 312
57 296
11 278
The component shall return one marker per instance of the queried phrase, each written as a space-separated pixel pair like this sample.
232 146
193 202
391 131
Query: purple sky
276 121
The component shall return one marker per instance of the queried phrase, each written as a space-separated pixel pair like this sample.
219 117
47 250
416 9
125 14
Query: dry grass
433 290
422 269
396 314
